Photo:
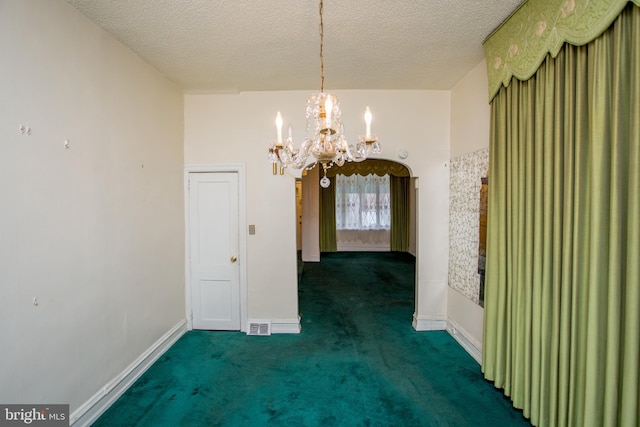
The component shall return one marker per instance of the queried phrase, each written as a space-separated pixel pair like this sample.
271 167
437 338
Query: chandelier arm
348 151
289 156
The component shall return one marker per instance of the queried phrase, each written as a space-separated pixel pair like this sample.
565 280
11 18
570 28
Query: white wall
237 128
94 232
470 115
470 112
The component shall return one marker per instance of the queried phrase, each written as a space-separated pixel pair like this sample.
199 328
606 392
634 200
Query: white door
213 229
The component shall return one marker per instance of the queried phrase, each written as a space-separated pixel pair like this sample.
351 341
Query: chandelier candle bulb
328 106
279 127
367 120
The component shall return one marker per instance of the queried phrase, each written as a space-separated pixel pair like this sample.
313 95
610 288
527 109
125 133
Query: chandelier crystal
325 143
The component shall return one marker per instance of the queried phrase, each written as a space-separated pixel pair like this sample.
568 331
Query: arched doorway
318 212
310 192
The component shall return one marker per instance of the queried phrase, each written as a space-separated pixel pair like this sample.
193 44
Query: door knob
234 259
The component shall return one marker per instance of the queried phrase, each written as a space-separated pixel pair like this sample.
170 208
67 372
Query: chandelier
325 143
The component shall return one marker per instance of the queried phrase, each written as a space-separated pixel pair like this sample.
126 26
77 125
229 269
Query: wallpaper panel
466 175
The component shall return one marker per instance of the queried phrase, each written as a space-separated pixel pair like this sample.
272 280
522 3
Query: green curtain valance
537 27
370 167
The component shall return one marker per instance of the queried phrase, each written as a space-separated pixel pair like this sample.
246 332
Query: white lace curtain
363 202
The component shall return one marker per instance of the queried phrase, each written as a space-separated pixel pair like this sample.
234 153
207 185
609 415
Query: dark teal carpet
357 362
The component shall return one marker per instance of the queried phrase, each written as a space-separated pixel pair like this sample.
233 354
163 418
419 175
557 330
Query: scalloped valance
378 167
537 27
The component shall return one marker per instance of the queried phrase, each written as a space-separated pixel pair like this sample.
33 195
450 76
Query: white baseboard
430 323
285 326
91 410
471 345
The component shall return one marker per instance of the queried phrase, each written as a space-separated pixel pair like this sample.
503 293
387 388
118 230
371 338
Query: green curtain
562 297
399 193
328 242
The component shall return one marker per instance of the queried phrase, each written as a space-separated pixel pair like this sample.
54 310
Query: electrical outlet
252 229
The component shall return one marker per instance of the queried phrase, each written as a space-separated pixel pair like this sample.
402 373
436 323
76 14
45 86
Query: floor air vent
259 328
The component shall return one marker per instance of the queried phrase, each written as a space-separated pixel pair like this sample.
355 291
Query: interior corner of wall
466 340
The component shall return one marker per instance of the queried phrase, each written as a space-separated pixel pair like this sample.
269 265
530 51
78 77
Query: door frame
238 168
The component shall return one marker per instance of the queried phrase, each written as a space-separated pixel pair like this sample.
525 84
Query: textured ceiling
253 45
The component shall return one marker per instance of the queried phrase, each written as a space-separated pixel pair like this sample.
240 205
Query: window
363 202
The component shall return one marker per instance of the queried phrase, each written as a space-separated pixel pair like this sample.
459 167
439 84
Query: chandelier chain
321 48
